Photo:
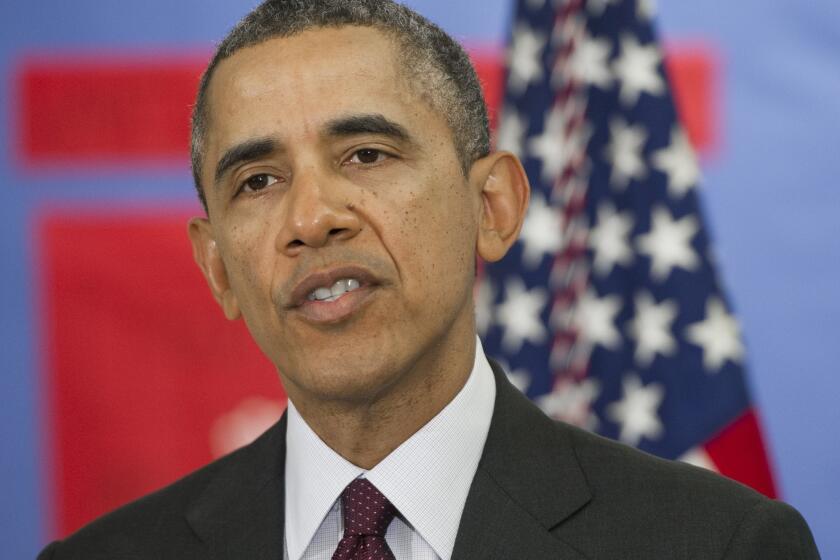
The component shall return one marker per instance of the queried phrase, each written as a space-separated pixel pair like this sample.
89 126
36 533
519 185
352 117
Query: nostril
337 231
295 243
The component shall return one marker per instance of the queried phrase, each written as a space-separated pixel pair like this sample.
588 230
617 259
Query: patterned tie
367 514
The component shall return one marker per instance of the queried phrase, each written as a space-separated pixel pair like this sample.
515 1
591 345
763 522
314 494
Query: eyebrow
246 151
255 148
373 123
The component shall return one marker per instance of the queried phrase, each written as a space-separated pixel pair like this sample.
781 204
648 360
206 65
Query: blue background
770 194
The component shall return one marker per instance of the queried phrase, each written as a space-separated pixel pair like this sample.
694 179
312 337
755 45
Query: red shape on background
489 65
136 109
106 109
141 362
694 72
739 453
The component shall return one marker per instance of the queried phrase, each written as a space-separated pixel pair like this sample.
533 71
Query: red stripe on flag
91 110
739 453
146 379
693 70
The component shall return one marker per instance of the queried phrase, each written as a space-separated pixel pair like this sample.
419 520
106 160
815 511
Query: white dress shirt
427 478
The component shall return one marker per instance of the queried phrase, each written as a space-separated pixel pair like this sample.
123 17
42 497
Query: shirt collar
315 477
427 477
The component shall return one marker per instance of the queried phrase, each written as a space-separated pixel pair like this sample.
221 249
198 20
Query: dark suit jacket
543 490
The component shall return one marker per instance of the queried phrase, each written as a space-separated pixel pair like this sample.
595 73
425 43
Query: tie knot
366 510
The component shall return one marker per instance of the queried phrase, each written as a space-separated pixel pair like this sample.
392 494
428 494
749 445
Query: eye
367 156
257 182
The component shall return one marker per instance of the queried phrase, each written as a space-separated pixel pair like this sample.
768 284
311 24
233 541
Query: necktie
367 514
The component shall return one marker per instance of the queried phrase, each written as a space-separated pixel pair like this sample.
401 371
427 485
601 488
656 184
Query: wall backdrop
73 202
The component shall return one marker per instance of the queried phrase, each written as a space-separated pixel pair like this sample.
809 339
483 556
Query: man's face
343 221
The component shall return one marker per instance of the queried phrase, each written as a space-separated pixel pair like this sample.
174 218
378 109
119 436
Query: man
341 151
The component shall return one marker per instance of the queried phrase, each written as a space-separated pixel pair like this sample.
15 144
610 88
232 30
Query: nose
317 213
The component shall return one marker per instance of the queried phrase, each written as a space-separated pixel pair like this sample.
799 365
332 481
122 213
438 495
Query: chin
344 379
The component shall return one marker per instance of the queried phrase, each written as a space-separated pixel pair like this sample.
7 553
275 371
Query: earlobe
505 191
209 260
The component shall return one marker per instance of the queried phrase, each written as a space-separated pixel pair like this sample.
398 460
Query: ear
504 190
206 255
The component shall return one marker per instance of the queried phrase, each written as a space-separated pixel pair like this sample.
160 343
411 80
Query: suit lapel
241 513
527 483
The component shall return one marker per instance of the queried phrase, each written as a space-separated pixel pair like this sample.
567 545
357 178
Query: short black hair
436 64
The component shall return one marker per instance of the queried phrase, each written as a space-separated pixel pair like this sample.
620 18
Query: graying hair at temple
435 64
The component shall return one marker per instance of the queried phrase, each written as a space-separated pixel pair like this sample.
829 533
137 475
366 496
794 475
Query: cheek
438 230
249 258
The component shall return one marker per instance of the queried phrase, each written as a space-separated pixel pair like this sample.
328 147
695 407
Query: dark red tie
367 514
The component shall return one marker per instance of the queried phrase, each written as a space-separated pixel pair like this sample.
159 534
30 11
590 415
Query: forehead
297 82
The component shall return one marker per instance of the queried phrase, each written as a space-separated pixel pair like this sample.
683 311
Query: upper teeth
331 294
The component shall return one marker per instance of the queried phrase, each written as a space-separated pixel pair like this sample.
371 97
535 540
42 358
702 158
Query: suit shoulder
775 529
699 510
613 466
608 500
615 469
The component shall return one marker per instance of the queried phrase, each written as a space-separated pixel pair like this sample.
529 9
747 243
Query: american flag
608 312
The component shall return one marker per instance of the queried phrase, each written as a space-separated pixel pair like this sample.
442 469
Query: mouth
332 295
335 291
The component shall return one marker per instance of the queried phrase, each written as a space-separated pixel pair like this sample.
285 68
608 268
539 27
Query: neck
366 431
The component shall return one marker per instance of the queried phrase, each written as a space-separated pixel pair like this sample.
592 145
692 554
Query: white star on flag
541 233
552 147
511 131
637 69
525 58
677 161
597 7
594 318
698 457
651 328
571 401
519 377
668 244
625 152
609 239
636 412
590 62
519 315
719 335
646 9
